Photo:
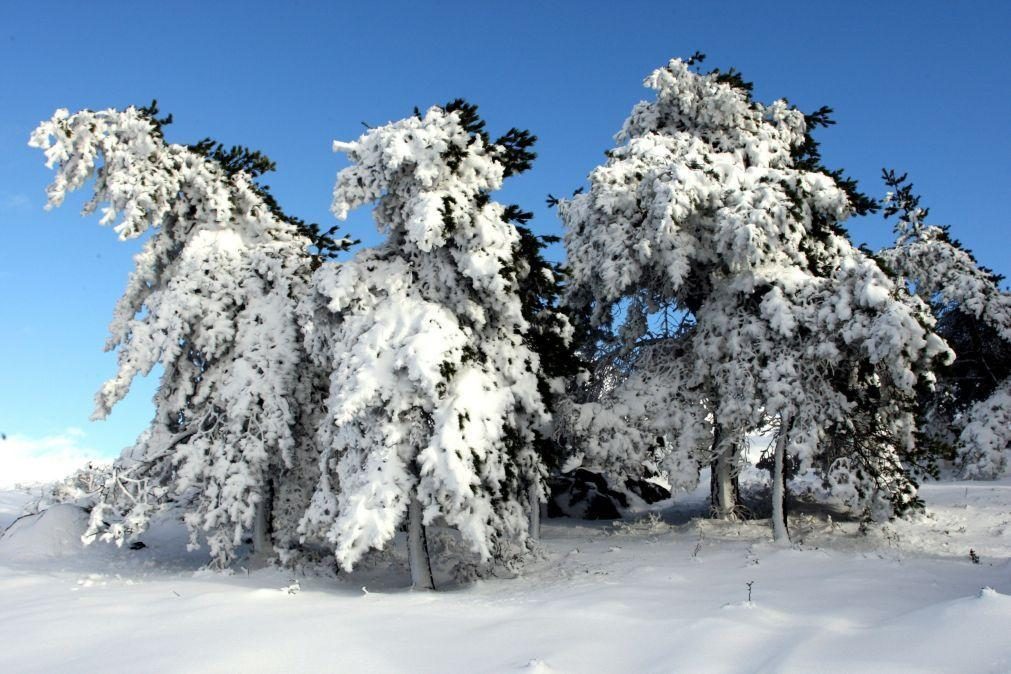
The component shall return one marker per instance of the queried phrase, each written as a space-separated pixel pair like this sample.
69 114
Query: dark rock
584 494
650 492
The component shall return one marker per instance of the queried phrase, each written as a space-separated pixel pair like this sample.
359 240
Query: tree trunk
724 492
417 548
263 544
535 512
780 533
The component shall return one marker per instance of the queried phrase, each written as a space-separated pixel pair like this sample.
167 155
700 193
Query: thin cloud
17 203
26 460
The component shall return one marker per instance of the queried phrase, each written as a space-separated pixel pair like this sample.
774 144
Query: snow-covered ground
665 594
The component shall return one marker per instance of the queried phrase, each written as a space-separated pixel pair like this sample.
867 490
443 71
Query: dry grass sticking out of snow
663 592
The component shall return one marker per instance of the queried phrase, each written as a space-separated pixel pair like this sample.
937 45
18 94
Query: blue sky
923 87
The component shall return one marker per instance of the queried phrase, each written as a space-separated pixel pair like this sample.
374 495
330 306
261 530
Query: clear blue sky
920 86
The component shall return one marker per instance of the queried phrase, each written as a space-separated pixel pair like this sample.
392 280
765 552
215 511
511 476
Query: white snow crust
656 593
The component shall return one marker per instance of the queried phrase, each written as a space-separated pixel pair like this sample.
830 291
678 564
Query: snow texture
433 391
655 594
212 300
704 206
942 272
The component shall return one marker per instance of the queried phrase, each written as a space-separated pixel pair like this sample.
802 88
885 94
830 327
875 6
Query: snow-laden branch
211 299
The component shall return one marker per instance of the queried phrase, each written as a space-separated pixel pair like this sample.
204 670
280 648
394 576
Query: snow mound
54 532
12 504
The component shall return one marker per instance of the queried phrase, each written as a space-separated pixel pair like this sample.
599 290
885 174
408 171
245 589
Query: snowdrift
50 534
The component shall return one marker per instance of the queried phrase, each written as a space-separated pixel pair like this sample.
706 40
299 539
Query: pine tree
435 403
212 300
970 409
550 335
719 207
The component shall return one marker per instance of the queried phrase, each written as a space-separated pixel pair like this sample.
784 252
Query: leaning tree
212 301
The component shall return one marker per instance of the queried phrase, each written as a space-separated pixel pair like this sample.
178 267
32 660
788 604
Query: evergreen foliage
212 301
436 391
719 207
710 292
969 412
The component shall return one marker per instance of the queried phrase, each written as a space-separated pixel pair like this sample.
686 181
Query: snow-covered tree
212 301
434 405
551 335
718 206
971 406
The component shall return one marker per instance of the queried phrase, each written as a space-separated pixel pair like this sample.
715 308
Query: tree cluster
710 292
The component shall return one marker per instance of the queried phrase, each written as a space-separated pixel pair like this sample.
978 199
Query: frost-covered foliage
434 391
211 300
718 206
82 488
985 440
551 332
971 406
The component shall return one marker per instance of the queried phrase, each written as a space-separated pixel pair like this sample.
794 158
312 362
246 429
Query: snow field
661 593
